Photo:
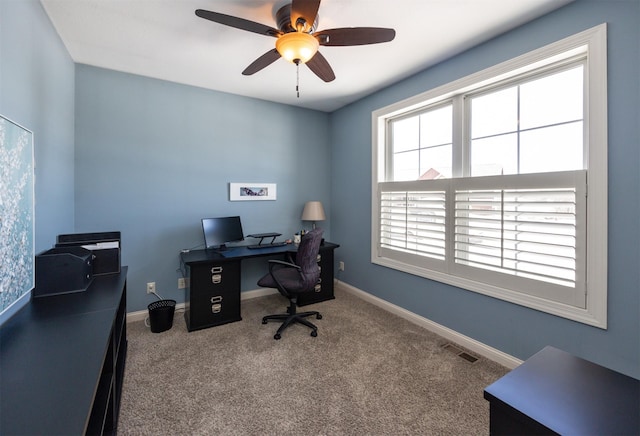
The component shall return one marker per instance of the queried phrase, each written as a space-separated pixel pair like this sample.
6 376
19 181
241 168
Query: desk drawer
213 295
216 278
324 289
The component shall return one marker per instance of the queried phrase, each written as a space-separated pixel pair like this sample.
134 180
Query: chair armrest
276 265
281 264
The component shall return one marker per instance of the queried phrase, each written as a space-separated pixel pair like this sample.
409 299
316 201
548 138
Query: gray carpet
368 372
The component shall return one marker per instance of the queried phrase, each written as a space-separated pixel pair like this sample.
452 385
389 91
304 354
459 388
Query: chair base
290 318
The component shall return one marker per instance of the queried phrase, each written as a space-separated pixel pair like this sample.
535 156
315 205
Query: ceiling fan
297 41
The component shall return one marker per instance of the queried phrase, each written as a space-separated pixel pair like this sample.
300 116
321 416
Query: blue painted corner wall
116 151
154 157
513 329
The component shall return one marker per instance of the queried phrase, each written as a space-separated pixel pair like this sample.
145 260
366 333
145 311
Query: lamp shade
313 211
297 46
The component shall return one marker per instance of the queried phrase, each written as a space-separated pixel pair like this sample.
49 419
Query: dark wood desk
554 392
62 362
213 281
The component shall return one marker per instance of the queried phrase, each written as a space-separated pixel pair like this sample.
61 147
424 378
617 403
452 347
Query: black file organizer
63 270
104 245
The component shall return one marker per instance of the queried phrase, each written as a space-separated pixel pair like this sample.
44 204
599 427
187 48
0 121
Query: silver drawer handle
216 308
216 270
216 299
216 278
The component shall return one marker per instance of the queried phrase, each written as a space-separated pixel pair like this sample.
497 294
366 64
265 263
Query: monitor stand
219 249
262 236
265 235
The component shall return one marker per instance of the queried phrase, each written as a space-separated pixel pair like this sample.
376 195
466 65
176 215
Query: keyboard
272 244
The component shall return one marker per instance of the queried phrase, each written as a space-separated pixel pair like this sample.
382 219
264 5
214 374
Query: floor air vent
468 357
458 352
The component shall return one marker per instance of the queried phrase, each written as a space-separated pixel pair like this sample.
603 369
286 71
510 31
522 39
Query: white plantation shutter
528 228
529 233
412 219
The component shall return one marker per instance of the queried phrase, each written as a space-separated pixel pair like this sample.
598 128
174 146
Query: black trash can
161 315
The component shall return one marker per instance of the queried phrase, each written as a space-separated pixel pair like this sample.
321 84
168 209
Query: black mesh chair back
294 278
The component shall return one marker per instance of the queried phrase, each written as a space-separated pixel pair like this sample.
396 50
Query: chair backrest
307 254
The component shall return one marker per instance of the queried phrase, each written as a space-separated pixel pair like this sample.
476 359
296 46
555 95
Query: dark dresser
62 362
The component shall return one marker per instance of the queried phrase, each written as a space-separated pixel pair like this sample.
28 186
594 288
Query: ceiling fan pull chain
298 78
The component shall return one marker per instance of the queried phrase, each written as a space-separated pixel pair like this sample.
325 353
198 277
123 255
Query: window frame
591 43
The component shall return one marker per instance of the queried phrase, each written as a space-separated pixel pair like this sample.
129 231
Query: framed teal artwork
17 257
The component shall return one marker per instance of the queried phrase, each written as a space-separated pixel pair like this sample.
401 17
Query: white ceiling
164 39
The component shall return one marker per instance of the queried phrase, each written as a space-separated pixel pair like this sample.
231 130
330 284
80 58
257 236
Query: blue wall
513 329
37 91
154 157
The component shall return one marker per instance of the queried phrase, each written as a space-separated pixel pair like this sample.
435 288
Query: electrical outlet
181 283
151 287
341 265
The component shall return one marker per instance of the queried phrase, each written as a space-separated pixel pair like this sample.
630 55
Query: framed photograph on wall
252 191
17 269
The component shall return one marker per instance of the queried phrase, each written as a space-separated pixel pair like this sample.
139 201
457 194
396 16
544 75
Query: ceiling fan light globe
297 46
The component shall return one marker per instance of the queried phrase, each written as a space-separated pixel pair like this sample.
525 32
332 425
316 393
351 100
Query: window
421 144
482 183
514 130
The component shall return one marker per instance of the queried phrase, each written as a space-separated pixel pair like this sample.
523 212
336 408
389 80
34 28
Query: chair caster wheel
314 333
318 316
264 321
277 336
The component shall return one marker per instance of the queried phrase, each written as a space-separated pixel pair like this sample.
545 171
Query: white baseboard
458 338
247 295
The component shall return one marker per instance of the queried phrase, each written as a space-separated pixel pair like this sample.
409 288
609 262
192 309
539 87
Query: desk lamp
313 211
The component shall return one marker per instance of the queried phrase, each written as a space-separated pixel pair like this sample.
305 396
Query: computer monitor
219 231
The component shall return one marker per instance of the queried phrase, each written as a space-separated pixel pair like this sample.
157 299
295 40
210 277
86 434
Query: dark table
555 392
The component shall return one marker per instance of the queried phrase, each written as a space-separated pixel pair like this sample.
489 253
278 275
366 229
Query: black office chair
292 279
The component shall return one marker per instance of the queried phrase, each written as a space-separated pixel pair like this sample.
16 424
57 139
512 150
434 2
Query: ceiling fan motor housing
283 18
